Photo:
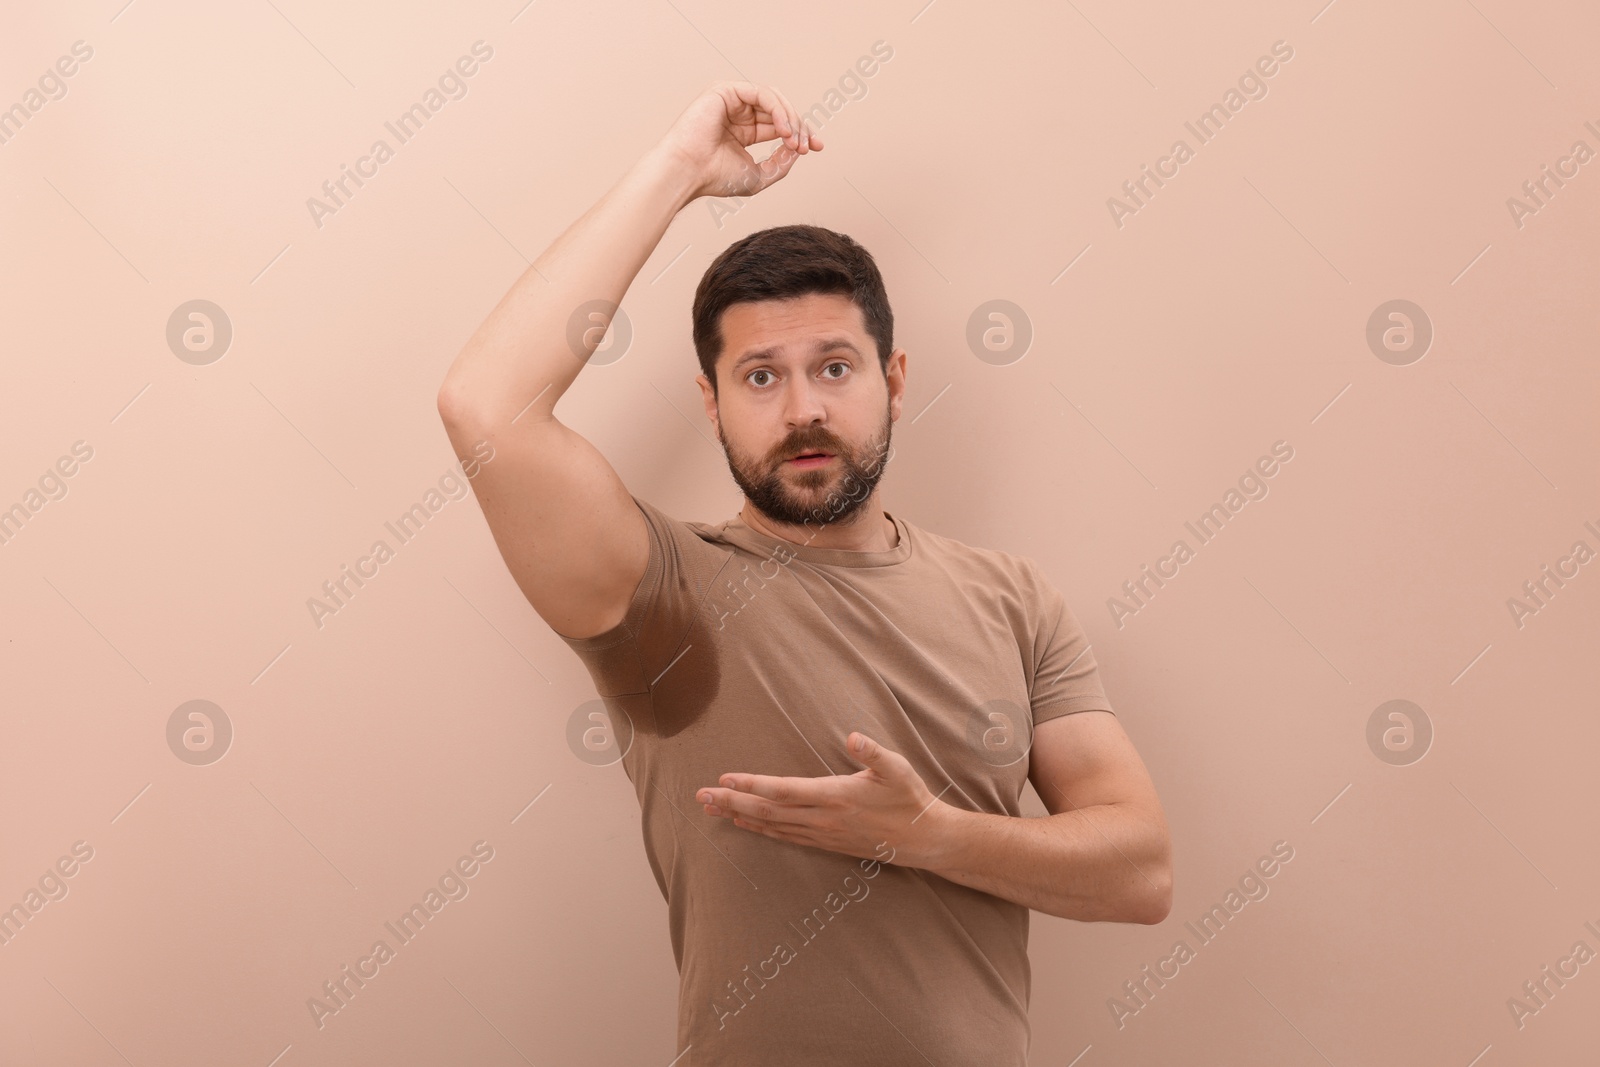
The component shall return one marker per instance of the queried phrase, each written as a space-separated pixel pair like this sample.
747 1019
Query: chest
774 682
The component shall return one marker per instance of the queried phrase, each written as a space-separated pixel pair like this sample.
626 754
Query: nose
802 406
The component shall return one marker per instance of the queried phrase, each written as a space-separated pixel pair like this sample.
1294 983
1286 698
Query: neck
868 530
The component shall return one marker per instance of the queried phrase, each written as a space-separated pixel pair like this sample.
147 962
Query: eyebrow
827 344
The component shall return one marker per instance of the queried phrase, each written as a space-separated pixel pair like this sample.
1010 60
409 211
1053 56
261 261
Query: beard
832 493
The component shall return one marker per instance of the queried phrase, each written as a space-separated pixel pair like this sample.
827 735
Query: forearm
1105 863
521 351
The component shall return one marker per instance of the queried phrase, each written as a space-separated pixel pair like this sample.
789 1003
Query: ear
707 397
895 376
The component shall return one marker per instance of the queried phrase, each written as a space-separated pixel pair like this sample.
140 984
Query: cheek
746 441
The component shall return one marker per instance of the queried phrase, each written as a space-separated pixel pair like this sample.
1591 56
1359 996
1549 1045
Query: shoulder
1003 571
684 554
680 530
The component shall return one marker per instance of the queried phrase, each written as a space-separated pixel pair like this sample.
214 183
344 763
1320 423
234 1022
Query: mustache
811 439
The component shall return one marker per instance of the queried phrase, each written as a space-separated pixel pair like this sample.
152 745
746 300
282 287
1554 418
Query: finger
777 832
765 104
806 137
730 814
797 138
749 115
795 792
729 803
803 134
781 109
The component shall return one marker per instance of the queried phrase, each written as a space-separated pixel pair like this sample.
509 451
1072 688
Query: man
829 713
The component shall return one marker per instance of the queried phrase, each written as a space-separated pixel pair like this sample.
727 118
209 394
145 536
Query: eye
751 377
839 363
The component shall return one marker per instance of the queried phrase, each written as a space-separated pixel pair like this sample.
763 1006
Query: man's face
804 411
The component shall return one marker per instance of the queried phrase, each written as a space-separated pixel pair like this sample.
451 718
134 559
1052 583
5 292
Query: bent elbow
1155 903
450 404
1156 906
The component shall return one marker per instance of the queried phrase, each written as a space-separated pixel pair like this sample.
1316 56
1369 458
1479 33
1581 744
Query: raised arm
565 524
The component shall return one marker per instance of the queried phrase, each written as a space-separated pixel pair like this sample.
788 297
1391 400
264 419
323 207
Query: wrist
936 837
665 169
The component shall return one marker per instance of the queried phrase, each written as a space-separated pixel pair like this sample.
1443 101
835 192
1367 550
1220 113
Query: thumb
868 751
772 169
889 766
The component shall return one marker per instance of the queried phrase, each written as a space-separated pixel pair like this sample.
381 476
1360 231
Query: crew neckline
738 532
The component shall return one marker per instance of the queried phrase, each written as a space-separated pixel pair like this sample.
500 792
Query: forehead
762 323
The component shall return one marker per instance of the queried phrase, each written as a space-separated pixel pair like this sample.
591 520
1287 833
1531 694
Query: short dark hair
788 261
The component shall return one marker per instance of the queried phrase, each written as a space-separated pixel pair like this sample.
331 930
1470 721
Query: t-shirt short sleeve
1065 677
627 658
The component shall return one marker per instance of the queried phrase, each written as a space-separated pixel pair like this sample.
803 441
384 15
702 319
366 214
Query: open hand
854 814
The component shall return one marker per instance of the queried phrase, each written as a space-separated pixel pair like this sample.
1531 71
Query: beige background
1168 354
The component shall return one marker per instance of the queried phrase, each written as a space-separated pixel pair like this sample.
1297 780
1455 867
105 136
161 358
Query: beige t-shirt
742 652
